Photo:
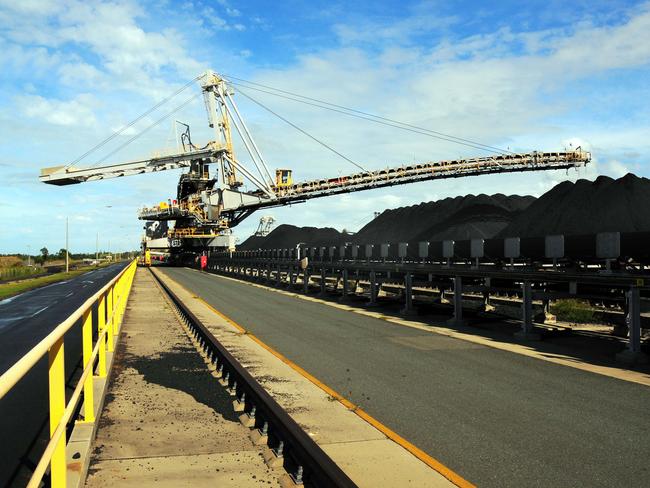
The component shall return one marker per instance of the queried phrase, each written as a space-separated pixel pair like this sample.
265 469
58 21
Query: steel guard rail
111 305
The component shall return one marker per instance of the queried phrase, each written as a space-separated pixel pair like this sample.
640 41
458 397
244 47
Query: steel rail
621 279
305 461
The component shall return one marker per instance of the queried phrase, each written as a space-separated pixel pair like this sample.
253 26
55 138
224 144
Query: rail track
290 446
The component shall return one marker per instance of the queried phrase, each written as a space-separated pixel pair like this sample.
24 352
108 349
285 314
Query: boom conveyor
286 192
209 203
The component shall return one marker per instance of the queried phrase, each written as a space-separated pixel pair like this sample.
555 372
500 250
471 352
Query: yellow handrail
111 299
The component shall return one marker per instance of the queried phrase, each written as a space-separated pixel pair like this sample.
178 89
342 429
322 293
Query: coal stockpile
287 236
581 208
466 217
587 207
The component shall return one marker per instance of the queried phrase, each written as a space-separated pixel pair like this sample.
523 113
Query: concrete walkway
166 420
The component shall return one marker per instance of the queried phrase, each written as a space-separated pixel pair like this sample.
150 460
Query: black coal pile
587 207
286 236
466 217
583 207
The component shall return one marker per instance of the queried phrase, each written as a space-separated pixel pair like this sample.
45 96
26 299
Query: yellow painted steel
110 322
117 293
110 301
283 178
56 374
101 325
87 346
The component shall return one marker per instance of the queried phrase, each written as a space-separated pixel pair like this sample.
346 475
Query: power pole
66 245
97 250
29 256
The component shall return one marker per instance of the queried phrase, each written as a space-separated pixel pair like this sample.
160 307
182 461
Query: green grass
14 288
19 272
573 310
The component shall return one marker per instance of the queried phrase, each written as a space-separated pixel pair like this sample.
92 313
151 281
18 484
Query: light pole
66 245
109 241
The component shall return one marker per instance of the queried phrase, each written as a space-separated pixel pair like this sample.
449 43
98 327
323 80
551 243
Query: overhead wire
296 97
157 122
133 122
366 115
380 122
303 131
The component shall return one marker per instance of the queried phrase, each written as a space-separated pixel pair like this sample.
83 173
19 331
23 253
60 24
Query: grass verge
15 287
19 272
573 310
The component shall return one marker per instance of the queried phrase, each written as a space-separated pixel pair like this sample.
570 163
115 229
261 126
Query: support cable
243 135
133 122
146 129
259 154
368 116
302 131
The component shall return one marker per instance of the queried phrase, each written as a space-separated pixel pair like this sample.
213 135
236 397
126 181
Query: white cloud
399 31
80 74
230 10
129 57
78 111
219 23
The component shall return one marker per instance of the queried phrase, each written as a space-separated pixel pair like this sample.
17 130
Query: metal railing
111 305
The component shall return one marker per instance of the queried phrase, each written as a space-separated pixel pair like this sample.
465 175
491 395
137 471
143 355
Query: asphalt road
497 418
24 320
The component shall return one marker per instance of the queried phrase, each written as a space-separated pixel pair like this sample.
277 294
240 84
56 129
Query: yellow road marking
392 435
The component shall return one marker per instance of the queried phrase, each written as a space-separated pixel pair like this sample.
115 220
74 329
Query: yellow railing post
101 325
121 294
110 319
124 293
87 348
116 306
56 373
111 307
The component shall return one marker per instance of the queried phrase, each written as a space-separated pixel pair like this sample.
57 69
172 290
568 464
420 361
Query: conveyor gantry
214 201
232 204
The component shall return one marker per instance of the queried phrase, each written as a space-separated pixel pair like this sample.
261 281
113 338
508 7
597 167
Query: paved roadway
497 418
24 320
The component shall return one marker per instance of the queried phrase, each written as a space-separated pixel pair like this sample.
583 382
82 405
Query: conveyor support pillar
457 319
408 295
633 354
527 331
373 288
346 284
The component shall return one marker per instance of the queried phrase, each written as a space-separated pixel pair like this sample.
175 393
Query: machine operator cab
283 178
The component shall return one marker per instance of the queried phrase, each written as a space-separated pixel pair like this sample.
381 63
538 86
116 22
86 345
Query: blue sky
523 75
